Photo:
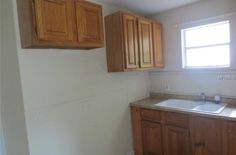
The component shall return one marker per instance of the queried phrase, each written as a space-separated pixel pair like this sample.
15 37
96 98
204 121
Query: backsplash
192 83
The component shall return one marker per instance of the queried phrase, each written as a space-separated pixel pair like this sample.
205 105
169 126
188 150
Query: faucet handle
217 99
202 96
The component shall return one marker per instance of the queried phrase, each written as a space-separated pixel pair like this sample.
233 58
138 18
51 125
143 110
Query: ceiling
148 7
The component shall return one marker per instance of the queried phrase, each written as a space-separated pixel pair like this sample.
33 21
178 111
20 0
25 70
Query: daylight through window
206 46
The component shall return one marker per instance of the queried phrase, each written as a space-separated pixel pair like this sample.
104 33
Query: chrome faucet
203 97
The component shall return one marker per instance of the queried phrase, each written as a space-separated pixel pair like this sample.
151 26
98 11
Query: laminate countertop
229 113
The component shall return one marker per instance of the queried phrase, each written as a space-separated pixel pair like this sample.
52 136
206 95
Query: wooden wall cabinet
89 24
157 45
132 43
166 133
145 43
60 24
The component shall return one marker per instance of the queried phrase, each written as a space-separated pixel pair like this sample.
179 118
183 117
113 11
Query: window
206 46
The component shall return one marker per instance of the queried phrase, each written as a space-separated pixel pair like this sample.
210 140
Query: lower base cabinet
229 138
166 133
176 140
206 136
152 138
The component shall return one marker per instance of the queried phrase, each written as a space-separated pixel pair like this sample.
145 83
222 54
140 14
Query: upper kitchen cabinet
89 24
145 43
132 43
60 24
157 45
55 20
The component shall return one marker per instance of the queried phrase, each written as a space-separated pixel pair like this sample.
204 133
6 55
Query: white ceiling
148 7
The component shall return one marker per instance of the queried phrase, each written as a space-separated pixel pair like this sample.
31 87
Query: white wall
12 108
1 131
173 79
73 106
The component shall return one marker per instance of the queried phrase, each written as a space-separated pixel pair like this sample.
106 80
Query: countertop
229 113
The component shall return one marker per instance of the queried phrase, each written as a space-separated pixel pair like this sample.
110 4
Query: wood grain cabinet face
89 24
137 130
180 134
206 136
152 138
131 41
157 46
55 20
145 43
67 24
177 140
229 138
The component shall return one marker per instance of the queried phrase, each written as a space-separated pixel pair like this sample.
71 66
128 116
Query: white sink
208 107
178 104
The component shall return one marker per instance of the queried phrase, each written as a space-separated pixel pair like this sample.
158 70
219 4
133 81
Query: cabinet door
55 20
89 24
152 138
137 130
131 41
206 136
229 138
145 43
157 45
177 141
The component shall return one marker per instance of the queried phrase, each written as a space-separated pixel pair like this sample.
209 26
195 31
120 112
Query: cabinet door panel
152 138
145 43
157 45
151 115
206 136
229 138
176 141
55 20
137 130
89 24
131 42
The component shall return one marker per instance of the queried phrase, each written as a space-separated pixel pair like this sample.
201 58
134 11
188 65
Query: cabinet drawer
152 115
181 120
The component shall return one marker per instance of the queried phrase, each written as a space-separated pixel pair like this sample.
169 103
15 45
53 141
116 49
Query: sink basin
207 107
178 104
210 107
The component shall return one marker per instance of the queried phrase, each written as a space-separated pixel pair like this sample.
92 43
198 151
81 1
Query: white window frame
184 48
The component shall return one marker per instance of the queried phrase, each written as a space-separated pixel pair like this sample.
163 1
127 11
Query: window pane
217 56
208 35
